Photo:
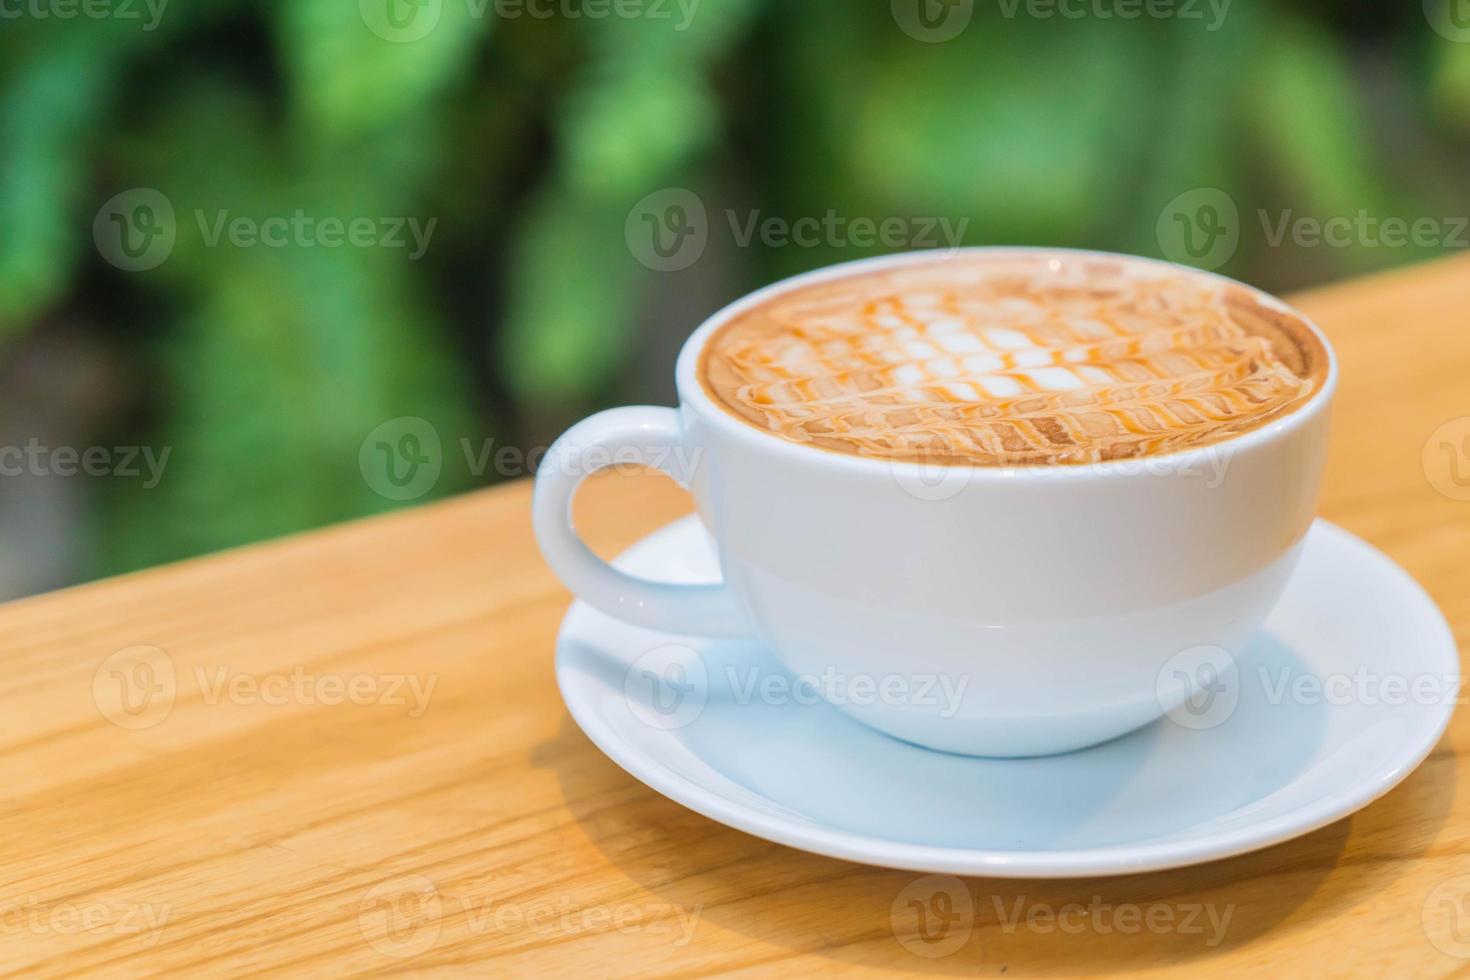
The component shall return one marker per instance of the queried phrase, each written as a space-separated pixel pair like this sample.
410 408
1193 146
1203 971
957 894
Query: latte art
1013 358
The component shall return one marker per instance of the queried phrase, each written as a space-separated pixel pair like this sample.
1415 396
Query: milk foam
1014 357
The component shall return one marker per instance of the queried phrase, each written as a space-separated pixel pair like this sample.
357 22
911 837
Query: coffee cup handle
639 434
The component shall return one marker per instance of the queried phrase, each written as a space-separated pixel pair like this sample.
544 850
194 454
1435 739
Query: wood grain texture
293 803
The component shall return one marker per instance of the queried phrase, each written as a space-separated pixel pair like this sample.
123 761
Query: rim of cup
692 393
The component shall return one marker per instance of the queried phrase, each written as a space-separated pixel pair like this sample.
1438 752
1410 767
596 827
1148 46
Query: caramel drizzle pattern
1153 365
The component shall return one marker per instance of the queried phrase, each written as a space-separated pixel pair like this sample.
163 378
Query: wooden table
225 765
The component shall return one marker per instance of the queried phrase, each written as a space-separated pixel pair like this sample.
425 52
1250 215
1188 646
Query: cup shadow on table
854 913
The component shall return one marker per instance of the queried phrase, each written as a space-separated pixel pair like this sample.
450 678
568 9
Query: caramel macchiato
1014 357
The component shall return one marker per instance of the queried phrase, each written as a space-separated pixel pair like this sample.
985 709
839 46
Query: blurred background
269 266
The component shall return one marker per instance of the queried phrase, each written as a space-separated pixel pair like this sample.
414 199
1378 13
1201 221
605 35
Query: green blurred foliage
527 139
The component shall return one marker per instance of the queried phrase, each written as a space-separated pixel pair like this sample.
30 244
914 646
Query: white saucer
1268 760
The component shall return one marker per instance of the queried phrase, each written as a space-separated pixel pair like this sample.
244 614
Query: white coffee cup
1067 604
